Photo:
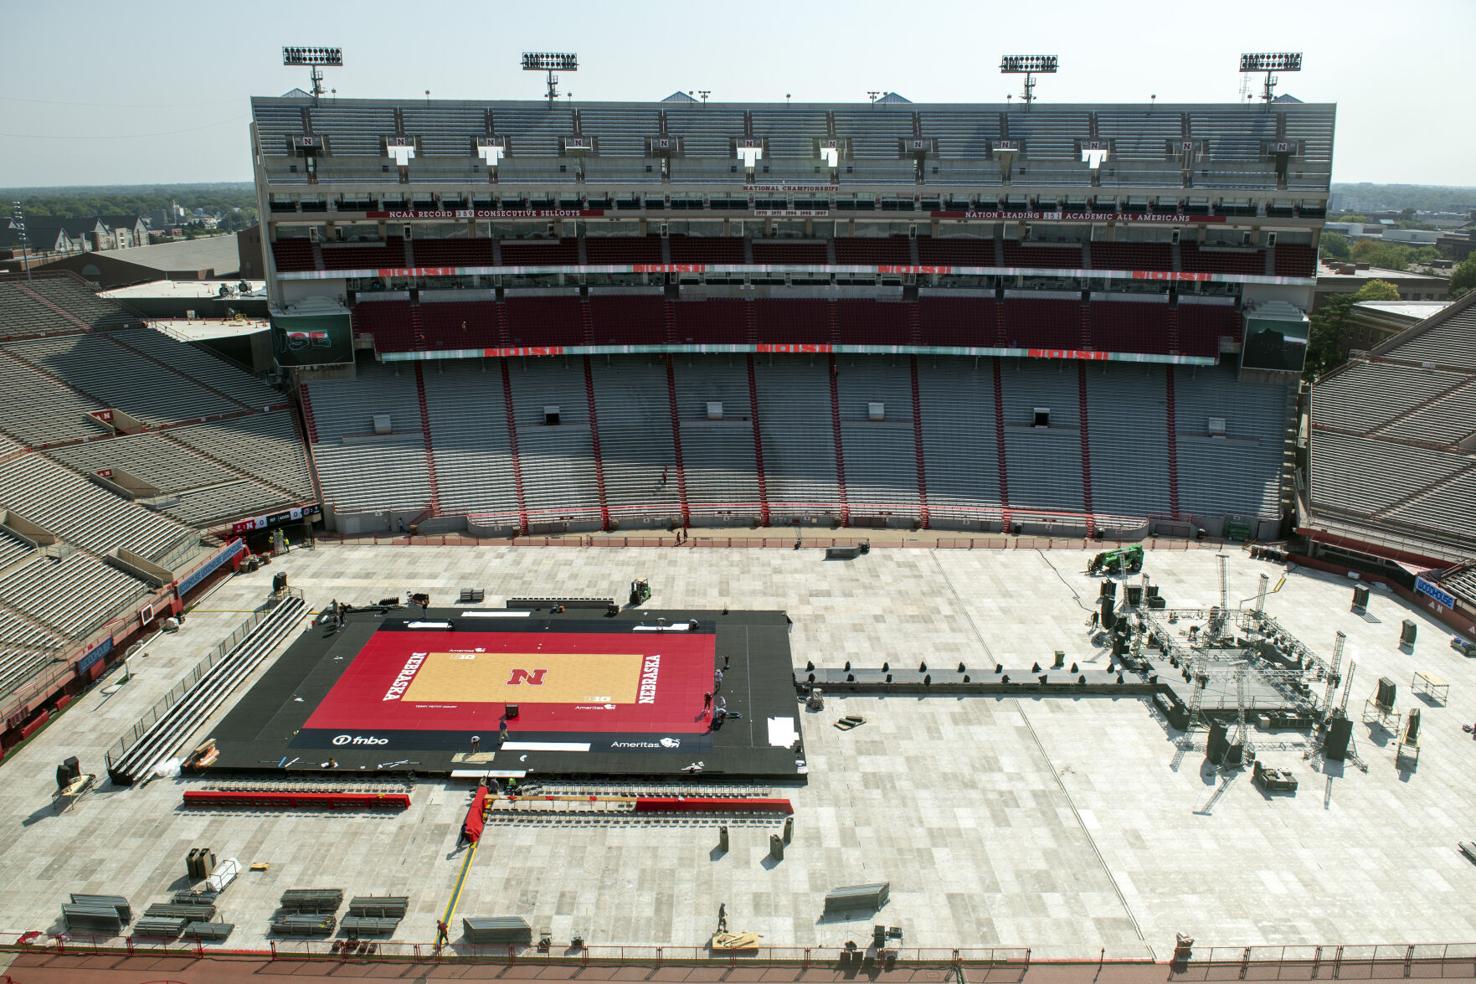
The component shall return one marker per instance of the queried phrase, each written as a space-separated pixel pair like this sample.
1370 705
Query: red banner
668 267
1171 275
498 353
1068 354
906 268
804 348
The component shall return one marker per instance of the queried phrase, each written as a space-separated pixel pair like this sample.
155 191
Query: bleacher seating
203 366
293 255
557 459
880 458
1295 260
877 251
1033 255
602 250
458 252
635 440
627 319
459 324
1052 324
1238 474
789 253
1044 463
1132 256
793 320
55 303
799 443
1201 326
1129 326
71 595
547 252
38 410
84 513
20 666
715 322
472 450
12 548
364 256
1128 414
718 454
948 320
388 322
724 250
361 470
150 391
1223 259
960 445
955 251
868 322
545 320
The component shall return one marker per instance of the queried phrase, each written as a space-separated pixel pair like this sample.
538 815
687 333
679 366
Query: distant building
1347 278
1372 322
43 235
211 258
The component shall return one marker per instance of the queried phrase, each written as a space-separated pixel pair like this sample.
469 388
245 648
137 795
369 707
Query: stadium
791 539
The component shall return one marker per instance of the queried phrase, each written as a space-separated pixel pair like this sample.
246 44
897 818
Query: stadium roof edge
1015 107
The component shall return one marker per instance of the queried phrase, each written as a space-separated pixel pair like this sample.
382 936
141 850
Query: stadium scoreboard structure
578 692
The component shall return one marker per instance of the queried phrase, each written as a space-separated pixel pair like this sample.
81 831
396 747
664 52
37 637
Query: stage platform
581 694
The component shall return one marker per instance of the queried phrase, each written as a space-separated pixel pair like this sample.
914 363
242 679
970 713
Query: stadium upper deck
972 154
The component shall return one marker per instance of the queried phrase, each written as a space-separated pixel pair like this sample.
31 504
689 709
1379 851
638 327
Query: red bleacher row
1287 260
1105 326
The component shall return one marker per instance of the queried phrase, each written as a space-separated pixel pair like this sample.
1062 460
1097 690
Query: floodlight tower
18 223
1270 62
316 59
550 62
1028 66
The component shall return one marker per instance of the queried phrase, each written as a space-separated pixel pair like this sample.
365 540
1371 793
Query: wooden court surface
528 678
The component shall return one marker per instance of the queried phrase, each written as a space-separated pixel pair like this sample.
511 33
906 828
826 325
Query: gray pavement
1066 825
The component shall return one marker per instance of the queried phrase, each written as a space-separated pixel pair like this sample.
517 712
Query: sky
156 91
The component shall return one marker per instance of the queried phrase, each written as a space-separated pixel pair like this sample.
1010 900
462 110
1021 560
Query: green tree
1463 277
1334 246
1326 347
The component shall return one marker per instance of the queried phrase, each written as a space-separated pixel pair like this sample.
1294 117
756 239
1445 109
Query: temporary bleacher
86 514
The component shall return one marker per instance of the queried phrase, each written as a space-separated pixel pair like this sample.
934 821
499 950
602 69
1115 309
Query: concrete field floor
1071 826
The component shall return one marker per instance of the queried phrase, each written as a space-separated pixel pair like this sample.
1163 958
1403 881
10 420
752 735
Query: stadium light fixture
551 62
316 59
18 223
1270 62
1029 66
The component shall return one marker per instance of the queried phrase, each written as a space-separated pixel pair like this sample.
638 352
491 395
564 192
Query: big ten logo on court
531 677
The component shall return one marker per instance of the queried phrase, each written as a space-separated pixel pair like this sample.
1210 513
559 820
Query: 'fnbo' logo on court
359 740
531 677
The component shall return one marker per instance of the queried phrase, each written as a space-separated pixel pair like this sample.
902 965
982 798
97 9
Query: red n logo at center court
531 677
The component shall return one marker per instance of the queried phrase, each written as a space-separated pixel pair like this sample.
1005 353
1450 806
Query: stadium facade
533 316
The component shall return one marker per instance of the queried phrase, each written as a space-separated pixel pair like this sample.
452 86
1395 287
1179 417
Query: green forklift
1123 560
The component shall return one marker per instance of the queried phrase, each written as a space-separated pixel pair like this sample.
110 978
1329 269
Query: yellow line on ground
450 912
